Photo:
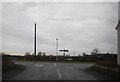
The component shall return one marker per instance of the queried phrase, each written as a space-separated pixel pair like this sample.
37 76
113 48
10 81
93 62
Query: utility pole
56 49
35 41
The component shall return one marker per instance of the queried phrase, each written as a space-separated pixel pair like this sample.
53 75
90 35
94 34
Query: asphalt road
57 71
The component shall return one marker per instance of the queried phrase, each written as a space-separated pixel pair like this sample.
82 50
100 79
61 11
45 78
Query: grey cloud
79 26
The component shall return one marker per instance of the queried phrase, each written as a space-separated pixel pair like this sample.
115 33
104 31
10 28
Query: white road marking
55 65
38 65
58 71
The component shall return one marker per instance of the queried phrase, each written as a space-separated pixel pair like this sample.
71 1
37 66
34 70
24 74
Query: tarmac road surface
57 71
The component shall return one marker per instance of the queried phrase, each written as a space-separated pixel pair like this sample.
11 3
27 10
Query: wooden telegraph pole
35 41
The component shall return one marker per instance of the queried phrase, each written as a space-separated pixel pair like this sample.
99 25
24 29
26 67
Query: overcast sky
79 26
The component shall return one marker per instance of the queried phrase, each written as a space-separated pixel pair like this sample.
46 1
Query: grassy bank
11 71
108 71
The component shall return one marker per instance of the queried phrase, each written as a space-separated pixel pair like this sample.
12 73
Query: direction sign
64 50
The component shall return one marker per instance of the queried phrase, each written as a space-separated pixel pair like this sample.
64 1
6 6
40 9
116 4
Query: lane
57 71
37 71
74 71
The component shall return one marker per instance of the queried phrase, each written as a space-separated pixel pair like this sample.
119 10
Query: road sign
64 50
64 53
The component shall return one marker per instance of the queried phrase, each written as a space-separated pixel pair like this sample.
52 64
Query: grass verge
11 71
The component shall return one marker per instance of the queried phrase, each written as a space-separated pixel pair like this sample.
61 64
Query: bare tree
27 54
44 54
84 53
95 51
39 53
